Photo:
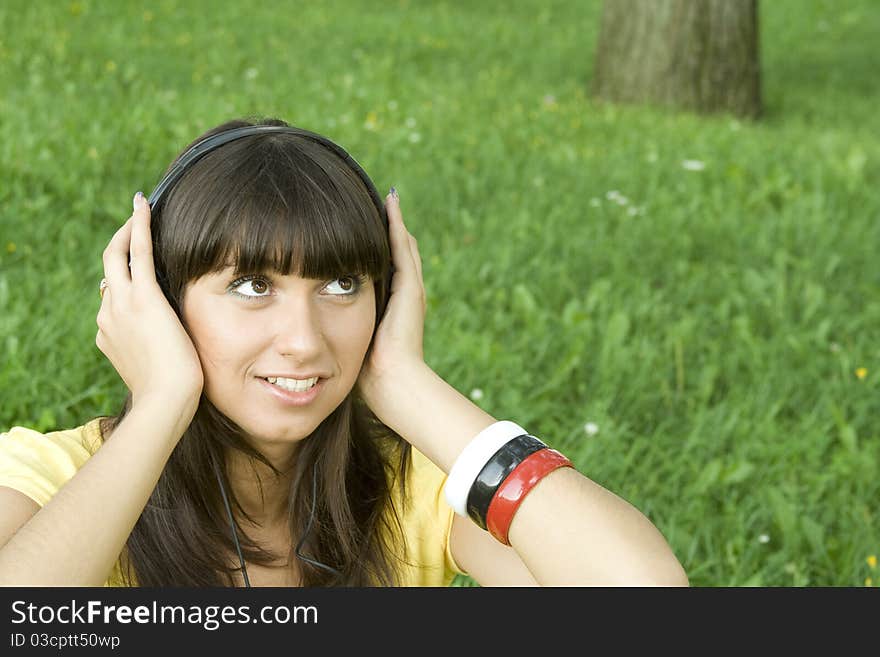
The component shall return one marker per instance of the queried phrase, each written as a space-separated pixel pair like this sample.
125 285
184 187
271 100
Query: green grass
709 322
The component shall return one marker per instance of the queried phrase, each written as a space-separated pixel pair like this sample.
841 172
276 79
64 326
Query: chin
286 433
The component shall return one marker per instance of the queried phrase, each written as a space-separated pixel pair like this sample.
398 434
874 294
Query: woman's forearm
568 530
76 538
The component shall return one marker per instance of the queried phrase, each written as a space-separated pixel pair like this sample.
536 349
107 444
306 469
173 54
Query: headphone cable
299 545
309 526
244 572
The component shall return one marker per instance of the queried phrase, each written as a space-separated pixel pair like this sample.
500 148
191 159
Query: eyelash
359 280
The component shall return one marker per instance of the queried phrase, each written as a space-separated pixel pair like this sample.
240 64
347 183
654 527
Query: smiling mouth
293 385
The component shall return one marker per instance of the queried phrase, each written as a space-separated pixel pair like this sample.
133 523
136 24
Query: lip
290 398
301 377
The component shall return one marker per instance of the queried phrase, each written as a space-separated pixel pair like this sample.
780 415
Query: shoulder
38 464
424 486
426 520
423 470
86 437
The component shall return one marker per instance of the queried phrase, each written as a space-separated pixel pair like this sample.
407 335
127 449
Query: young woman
282 427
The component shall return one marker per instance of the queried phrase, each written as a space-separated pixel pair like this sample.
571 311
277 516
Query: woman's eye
348 285
250 286
257 287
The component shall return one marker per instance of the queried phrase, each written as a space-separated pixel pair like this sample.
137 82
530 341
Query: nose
298 330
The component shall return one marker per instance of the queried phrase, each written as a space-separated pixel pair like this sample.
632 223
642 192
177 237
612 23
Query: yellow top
38 465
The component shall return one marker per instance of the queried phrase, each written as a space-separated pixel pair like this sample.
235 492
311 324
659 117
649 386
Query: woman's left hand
397 344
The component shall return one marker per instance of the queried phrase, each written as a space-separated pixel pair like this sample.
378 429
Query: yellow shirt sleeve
38 464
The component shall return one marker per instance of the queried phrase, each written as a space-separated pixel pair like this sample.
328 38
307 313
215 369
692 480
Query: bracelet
518 484
493 474
472 459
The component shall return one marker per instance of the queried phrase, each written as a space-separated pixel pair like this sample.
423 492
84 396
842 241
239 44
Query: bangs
295 229
274 209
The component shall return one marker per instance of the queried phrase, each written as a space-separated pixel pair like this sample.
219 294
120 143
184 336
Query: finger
401 250
412 243
418 282
103 302
116 258
418 261
142 267
417 258
99 340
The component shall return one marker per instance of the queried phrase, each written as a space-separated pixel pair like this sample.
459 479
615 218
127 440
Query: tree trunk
699 55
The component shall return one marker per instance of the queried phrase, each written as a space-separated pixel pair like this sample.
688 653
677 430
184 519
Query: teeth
294 385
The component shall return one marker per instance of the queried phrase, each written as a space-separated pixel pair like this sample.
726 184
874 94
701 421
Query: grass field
687 306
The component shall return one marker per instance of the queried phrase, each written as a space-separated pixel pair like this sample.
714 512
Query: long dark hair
285 203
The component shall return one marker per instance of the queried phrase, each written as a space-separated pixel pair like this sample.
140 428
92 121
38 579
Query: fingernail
394 194
138 200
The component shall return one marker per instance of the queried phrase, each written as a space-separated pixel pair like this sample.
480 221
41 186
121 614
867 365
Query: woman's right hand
138 330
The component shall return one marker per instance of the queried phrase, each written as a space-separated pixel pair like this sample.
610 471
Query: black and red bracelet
516 486
496 470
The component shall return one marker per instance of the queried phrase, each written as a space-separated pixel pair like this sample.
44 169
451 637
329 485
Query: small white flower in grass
415 137
834 347
632 212
617 197
251 73
410 122
594 202
476 394
693 165
392 104
763 538
591 428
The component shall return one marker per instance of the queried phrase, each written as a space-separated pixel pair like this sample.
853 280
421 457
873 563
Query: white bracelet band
473 457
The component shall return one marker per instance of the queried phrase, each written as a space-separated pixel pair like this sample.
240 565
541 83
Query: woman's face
249 329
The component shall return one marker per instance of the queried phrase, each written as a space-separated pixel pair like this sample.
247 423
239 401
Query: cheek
220 341
351 337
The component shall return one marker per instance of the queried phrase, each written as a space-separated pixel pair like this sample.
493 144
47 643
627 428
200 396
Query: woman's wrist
383 389
429 413
178 407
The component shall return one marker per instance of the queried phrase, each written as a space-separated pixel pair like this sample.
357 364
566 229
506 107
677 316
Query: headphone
192 155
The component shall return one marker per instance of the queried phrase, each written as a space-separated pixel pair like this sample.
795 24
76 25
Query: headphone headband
208 144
